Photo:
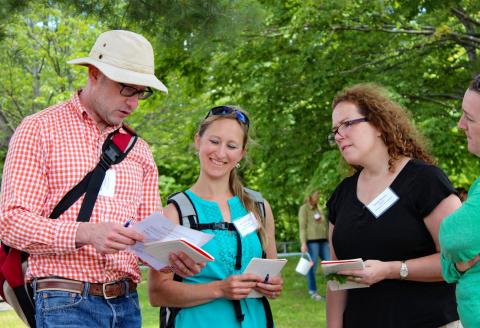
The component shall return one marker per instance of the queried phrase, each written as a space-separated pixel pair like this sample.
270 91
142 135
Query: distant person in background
313 228
460 232
388 213
462 193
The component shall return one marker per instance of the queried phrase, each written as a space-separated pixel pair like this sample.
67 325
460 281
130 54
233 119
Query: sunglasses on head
225 110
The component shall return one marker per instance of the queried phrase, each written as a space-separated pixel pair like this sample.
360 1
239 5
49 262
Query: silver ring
274 294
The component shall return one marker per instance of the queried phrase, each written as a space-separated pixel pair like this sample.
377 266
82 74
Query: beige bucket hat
125 57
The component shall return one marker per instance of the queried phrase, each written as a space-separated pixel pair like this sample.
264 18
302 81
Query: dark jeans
316 249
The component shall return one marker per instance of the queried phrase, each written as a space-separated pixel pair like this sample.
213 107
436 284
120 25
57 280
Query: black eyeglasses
225 110
341 128
129 91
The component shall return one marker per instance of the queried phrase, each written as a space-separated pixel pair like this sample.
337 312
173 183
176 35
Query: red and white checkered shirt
49 153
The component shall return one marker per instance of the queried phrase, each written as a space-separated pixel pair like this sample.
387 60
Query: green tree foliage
37 42
287 76
283 61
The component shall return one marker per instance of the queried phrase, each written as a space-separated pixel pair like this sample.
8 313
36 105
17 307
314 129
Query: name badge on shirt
246 224
382 202
108 185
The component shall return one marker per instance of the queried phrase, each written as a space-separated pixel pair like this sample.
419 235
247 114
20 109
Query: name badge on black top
382 202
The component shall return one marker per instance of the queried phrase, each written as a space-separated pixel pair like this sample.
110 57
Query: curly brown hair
390 118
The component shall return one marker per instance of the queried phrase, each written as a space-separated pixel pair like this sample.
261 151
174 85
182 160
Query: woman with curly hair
388 213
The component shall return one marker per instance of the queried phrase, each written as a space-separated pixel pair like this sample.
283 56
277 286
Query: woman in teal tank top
206 298
460 232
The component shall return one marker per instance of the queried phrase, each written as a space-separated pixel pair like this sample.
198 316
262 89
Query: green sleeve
449 270
459 231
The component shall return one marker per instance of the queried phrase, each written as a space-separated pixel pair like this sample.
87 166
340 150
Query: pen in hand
266 278
126 224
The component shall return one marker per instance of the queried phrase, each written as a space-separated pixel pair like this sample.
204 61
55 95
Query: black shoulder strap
268 312
187 214
115 148
259 200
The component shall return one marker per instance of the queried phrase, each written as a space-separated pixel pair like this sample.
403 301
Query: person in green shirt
313 228
460 232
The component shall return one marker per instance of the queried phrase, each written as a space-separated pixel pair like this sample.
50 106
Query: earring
237 165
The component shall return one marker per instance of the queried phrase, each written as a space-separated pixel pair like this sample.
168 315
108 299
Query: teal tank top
220 312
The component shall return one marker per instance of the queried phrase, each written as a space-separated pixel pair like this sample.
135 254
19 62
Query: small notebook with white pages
162 249
340 282
264 268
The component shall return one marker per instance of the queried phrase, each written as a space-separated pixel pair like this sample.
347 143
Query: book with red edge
332 267
162 249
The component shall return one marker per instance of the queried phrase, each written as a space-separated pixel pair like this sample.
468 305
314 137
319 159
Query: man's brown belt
107 290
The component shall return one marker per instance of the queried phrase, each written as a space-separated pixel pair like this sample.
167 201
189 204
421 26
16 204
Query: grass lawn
293 309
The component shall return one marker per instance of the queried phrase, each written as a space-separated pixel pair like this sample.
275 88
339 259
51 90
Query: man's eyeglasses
129 91
225 110
342 127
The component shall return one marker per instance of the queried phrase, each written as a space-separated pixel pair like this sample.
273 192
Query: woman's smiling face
220 147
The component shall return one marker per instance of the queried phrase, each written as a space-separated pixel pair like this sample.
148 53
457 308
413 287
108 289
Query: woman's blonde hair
307 198
235 183
390 118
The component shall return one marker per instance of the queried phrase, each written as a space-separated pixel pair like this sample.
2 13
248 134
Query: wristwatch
403 270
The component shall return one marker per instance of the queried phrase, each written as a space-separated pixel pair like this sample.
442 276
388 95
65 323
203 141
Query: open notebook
340 282
161 250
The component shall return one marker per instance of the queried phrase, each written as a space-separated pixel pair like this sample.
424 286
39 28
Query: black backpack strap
224 226
268 312
259 200
24 296
115 148
187 214
167 314
238 310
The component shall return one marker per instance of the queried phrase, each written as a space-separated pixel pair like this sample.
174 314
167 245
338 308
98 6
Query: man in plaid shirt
81 271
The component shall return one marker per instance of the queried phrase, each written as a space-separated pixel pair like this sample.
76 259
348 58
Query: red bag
13 288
